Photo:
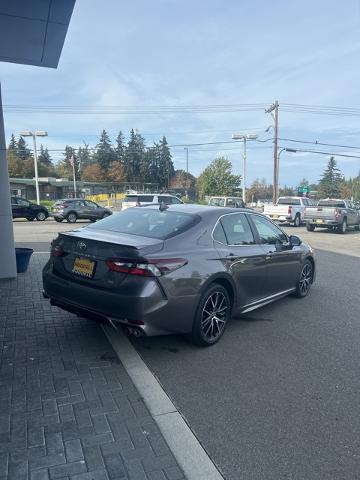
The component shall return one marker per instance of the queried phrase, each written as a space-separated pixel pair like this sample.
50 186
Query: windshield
147 223
289 201
217 202
331 203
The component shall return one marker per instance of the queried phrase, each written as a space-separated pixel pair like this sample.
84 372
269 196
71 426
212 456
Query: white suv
136 199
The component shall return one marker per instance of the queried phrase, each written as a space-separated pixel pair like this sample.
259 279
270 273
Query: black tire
208 328
310 227
59 220
30 219
71 217
305 280
106 215
357 227
92 220
41 216
342 228
297 220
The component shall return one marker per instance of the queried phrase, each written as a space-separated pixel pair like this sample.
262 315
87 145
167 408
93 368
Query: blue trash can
23 258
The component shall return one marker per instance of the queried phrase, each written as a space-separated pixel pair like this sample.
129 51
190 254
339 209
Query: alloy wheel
214 316
40 216
305 279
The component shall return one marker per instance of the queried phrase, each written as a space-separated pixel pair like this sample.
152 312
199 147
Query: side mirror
295 241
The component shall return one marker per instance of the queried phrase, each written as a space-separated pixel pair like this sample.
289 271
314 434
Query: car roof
196 209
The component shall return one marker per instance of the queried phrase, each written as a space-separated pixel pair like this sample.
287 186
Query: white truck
288 210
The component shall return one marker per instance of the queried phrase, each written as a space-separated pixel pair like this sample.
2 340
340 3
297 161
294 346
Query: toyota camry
182 269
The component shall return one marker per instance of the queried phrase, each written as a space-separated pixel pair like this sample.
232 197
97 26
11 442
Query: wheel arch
226 282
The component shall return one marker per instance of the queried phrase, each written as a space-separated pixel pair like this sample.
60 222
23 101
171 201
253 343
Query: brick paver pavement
68 409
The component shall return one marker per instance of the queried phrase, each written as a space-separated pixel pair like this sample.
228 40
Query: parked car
138 199
22 208
288 210
71 209
332 213
180 269
230 202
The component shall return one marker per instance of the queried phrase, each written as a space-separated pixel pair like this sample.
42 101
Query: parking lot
41 233
277 396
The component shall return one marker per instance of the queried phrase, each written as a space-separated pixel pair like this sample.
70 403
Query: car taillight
56 250
289 209
149 268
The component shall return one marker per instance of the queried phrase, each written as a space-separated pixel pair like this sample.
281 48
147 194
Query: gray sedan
176 269
72 209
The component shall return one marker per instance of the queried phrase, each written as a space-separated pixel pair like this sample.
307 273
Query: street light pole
36 171
285 149
244 138
244 172
38 133
187 159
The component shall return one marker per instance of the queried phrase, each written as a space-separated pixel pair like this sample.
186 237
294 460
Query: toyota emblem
82 246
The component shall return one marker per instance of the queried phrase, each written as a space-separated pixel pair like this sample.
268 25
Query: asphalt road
278 396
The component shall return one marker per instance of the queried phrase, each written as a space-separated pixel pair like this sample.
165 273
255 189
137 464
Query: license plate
83 267
319 221
275 216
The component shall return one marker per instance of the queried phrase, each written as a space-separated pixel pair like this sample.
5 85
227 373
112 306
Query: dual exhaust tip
134 331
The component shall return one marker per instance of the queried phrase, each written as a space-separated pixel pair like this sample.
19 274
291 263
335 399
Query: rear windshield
217 202
147 223
331 203
288 201
138 198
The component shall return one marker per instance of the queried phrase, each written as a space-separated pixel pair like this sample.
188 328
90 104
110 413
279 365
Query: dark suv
22 208
73 208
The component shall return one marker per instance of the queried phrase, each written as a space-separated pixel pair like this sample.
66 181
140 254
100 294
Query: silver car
176 269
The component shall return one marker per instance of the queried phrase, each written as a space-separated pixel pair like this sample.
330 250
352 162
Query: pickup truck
333 214
288 210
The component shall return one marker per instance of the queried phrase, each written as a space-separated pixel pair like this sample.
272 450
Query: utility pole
275 107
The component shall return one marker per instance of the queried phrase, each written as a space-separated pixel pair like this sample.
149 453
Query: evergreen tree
44 157
104 152
12 148
331 181
84 158
134 157
166 166
65 166
120 148
22 149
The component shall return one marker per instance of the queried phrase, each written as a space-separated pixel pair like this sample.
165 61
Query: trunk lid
85 254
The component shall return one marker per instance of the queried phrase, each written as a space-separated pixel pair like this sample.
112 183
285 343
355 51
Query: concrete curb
190 455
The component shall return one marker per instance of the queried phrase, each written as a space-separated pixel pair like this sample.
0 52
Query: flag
72 160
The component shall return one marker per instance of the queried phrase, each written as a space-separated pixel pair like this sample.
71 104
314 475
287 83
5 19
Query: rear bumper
281 218
322 222
141 303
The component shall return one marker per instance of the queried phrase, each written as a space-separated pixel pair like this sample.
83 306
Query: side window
305 202
268 232
219 234
146 198
237 230
175 200
13 200
89 204
164 198
230 202
23 202
76 204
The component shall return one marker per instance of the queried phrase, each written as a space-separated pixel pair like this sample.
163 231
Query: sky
186 53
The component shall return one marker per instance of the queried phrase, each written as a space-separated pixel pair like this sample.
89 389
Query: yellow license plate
275 216
319 221
84 267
